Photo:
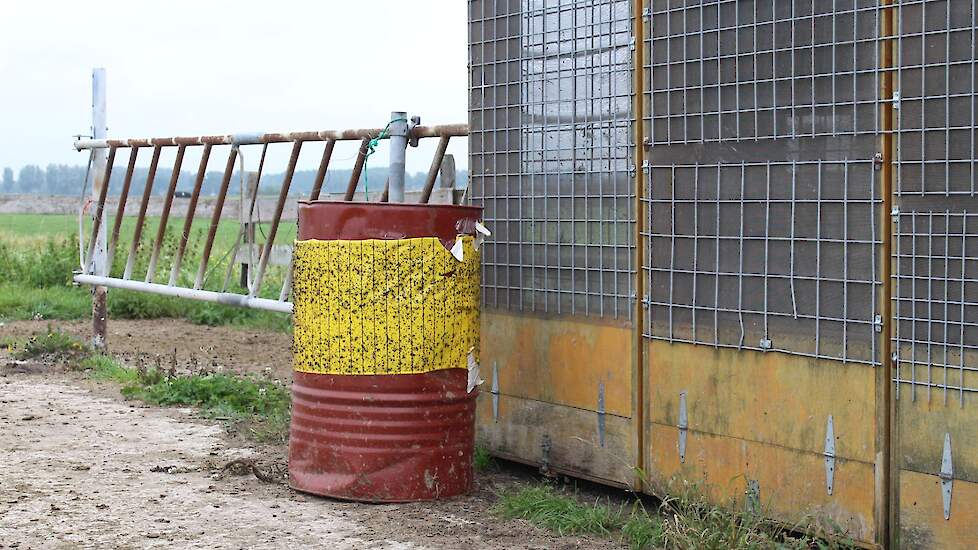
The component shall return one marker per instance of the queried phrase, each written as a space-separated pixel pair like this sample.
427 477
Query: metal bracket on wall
947 476
601 414
495 392
545 446
753 493
829 455
683 427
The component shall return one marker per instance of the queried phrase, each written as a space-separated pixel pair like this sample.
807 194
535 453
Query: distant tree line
62 179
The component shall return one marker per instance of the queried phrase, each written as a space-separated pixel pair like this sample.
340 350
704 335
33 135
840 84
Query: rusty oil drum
383 438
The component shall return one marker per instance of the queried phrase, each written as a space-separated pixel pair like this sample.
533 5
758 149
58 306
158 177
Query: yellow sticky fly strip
384 307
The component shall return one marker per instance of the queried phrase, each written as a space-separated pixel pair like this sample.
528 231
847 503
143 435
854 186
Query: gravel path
82 471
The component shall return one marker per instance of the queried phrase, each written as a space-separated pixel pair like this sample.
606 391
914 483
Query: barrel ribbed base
382 438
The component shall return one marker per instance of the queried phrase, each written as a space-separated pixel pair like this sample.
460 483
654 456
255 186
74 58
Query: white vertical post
399 143
99 260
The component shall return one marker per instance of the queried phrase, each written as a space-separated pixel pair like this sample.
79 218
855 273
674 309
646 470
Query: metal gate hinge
895 214
829 456
647 13
896 100
601 413
878 323
683 427
495 392
631 43
947 476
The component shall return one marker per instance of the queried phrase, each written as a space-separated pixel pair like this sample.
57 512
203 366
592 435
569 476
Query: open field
32 228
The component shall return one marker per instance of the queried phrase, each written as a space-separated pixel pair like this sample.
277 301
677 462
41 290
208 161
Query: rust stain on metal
453 130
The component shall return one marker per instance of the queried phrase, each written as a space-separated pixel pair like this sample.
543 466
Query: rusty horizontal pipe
452 130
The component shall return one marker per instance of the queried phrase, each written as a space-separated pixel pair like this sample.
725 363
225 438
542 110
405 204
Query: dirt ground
83 468
223 348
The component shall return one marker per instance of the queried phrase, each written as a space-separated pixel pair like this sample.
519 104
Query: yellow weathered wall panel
923 424
922 523
560 361
792 483
770 397
572 433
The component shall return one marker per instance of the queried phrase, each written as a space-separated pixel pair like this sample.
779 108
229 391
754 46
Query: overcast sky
185 67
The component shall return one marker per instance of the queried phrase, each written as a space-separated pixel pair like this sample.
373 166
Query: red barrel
383 438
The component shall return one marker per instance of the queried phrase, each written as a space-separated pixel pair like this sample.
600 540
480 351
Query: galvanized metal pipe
223 298
191 209
141 217
454 130
165 215
96 252
399 142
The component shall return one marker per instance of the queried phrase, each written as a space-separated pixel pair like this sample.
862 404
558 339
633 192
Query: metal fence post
399 142
99 259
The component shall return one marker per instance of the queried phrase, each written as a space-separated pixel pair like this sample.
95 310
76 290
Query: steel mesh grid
936 82
935 303
766 255
551 153
764 69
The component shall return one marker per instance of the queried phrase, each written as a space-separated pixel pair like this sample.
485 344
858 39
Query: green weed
262 406
52 342
544 506
686 520
481 459
104 367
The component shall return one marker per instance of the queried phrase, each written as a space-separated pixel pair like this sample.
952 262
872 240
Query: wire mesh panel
936 305
935 248
763 195
766 255
935 105
551 153
734 69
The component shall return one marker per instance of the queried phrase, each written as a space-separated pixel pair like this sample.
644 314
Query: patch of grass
684 521
18 301
218 393
544 506
260 406
52 342
104 367
39 252
481 459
